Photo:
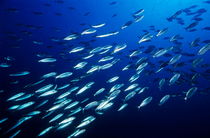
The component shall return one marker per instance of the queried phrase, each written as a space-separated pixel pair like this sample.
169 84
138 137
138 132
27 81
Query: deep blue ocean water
56 19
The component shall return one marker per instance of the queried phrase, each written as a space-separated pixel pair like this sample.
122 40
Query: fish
190 93
108 34
34 113
88 31
129 96
174 78
67 120
47 93
99 91
57 106
80 65
135 53
134 78
128 23
175 59
114 95
56 117
63 75
25 105
145 102
161 32
196 62
161 83
132 86
3 120
192 25
77 133
45 131
107 58
86 121
143 89
75 111
164 99
47 60
15 96
19 122
86 87
71 105
18 74
98 25
113 79
77 49
93 69
15 134
137 13
63 87
145 37
119 48
204 49
160 53
71 37
5 65
122 107
141 66
138 18
44 88
26 96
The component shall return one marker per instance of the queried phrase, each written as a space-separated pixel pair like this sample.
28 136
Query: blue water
175 119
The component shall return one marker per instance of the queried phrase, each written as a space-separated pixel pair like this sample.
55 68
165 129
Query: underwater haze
105 68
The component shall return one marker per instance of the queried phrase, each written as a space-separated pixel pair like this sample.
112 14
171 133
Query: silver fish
174 78
71 105
190 92
80 65
34 113
64 75
161 83
77 133
175 59
119 48
160 53
107 58
45 131
145 37
15 134
48 60
71 37
88 31
25 105
164 99
23 73
122 107
132 86
161 32
16 96
204 49
48 75
107 35
19 122
113 79
91 105
145 102
76 49
56 117
99 91
98 25
86 121
44 88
